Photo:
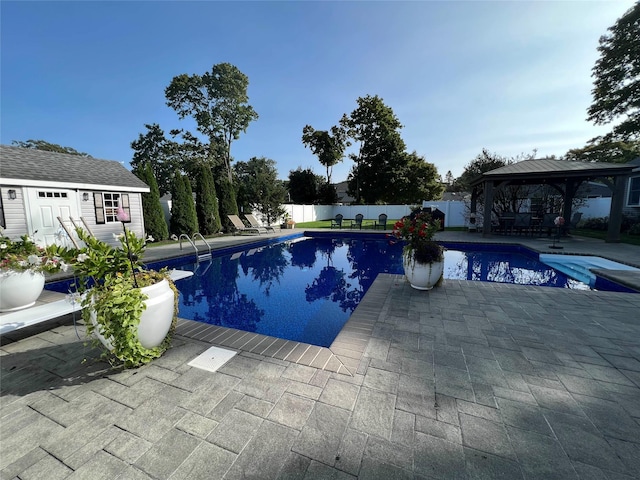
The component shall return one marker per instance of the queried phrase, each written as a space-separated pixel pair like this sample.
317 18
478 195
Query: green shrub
155 224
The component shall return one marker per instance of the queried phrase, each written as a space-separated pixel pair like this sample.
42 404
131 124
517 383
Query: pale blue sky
460 76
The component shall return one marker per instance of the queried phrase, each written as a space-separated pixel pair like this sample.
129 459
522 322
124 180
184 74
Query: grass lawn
624 238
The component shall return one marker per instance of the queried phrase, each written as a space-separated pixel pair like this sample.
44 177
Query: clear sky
508 76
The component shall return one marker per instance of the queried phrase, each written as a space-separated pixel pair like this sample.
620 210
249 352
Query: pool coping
344 356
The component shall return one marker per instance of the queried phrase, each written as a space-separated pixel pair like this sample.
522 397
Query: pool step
580 267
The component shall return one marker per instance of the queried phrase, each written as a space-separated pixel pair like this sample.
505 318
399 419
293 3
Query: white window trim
627 202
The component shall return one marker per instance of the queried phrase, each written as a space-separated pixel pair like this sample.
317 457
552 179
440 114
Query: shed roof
550 168
26 166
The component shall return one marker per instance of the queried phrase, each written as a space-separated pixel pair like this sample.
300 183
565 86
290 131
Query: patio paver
470 380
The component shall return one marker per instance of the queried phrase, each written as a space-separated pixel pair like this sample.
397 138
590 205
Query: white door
46 205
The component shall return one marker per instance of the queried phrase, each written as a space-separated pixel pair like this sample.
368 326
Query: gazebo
563 175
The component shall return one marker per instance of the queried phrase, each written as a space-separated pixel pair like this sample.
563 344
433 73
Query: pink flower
121 215
559 221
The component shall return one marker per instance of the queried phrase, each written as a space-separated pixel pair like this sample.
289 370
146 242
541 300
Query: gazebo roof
545 169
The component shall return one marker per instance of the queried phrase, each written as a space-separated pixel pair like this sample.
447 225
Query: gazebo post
488 206
570 190
615 212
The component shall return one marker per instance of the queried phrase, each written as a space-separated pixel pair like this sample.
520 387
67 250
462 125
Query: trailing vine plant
109 280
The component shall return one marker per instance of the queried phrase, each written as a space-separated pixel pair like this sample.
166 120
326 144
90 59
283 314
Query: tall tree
448 178
506 199
160 153
183 210
259 188
227 201
414 181
49 147
616 92
303 186
327 193
382 150
484 162
614 152
328 146
207 203
218 102
155 224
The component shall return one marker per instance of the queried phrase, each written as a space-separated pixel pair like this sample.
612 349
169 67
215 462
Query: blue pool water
305 288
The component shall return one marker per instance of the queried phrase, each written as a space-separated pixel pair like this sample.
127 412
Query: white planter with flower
130 310
422 257
19 289
22 268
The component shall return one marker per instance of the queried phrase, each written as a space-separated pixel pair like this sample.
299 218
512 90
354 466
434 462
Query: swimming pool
305 289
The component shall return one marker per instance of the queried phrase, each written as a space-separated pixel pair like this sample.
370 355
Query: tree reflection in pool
305 289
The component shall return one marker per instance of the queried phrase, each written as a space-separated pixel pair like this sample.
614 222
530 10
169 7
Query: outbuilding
46 194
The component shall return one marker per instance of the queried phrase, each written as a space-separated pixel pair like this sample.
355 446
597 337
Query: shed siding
14 213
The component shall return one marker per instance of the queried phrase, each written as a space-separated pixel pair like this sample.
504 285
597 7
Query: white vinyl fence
455 211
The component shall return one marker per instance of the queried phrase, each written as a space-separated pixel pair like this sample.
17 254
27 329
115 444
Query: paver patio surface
468 381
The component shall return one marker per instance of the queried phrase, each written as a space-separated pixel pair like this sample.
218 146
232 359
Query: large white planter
422 276
156 319
19 289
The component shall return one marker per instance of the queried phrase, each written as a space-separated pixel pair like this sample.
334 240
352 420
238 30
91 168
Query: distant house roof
341 192
31 167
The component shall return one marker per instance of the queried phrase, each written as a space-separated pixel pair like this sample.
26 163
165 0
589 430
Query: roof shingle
39 165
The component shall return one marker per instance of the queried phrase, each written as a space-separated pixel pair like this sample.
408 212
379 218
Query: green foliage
616 91
327 194
154 222
259 188
382 150
415 180
109 280
49 147
329 147
505 199
303 186
207 203
24 254
218 102
603 151
484 162
226 201
155 149
183 210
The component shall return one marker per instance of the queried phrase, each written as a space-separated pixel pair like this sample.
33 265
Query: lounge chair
337 222
357 223
381 222
240 227
253 221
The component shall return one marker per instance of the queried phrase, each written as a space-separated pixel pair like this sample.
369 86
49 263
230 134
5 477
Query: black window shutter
98 207
124 203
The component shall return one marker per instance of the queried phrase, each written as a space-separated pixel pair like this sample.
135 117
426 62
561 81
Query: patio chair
240 227
548 223
253 221
522 222
381 222
337 222
357 223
